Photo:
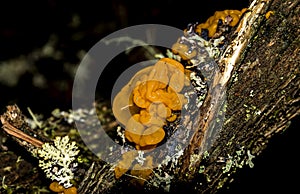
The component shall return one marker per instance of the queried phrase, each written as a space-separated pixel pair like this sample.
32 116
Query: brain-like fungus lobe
149 101
226 17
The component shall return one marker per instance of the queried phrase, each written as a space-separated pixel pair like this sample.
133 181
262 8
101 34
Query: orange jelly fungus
183 51
56 187
268 14
71 190
228 17
211 23
147 102
142 171
125 163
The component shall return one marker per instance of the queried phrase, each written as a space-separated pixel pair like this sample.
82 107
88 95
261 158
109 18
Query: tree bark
262 95
253 96
260 84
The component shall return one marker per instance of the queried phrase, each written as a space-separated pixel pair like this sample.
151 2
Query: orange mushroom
139 170
151 136
123 101
142 172
211 23
123 165
71 190
228 17
183 50
56 187
134 129
146 103
142 136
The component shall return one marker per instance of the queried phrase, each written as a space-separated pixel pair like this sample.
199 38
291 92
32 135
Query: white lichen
250 158
57 160
140 158
121 134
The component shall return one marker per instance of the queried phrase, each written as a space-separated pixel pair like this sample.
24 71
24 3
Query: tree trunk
252 95
260 83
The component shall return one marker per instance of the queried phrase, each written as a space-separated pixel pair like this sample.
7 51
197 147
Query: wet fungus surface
149 101
158 96
56 187
225 17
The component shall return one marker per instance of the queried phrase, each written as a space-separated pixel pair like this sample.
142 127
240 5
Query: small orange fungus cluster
268 14
144 106
140 171
56 187
149 100
228 17
125 163
183 50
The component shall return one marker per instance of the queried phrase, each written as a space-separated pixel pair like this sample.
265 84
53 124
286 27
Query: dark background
25 26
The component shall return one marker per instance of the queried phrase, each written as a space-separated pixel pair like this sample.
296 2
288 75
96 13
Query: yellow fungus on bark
124 164
146 103
56 187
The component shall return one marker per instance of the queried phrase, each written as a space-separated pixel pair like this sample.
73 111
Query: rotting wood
260 101
261 79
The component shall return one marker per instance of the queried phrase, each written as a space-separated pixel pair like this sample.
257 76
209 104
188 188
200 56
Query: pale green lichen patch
205 155
193 160
228 164
250 111
161 180
57 160
238 160
231 163
201 169
249 160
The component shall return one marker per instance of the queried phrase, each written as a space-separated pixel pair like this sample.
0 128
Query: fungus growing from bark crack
141 169
148 102
212 28
183 50
228 17
56 187
125 163
142 172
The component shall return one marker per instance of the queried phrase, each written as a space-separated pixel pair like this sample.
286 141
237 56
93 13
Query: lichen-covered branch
262 94
247 92
260 82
